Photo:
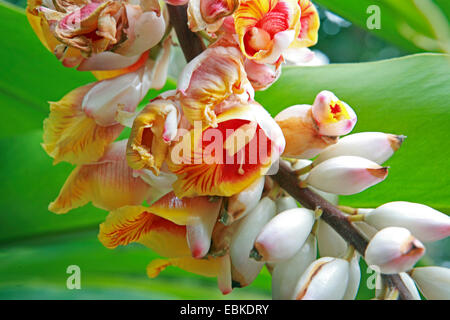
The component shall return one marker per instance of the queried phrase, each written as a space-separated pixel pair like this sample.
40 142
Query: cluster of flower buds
191 180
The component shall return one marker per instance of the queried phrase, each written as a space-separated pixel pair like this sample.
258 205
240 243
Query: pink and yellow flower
76 31
266 28
226 159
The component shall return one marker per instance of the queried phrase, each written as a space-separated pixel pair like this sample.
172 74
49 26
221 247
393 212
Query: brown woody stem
192 46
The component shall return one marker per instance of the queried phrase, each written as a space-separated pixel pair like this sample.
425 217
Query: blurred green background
407 96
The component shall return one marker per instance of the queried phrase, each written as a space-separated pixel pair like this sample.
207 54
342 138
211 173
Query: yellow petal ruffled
151 134
136 224
71 136
108 183
310 23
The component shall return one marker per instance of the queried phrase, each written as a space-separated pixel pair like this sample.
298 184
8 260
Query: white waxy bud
243 268
330 243
333 117
346 175
286 203
284 235
198 233
353 279
410 285
325 279
224 281
242 203
433 282
375 146
286 274
424 222
394 250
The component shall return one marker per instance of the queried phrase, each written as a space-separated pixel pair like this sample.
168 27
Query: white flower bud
353 279
375 146
242 203
394 250
285 274
410 285
325 279
329 241
346 175
284 235
198 233
333 116
433 282
285 203
243 268
224 281
424 222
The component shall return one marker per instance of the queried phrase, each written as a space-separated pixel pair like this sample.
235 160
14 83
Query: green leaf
406 96
36 268
402 23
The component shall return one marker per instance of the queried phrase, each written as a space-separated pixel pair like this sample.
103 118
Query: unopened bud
285 203
329 241
284 235
198 233
325 279
285 274
433 282
242 203
333 116
394 250
375 146
410 285
346 175
353 279
244 269
424 222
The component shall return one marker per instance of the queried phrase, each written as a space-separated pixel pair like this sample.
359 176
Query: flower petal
240 153
108 183
135 224
209 267
210 79
152 132
70 135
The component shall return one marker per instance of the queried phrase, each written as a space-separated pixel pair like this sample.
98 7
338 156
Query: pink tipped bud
284 235
325 279
424 222
244 269
375 146
198 233
285 274
333 116
346 175
224 281
433 282
394 250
